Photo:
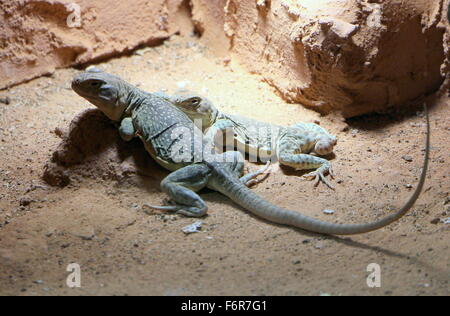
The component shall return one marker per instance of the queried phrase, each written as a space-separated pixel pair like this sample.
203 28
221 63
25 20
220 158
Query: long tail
246 198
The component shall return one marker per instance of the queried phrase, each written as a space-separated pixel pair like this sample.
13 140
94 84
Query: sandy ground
124 249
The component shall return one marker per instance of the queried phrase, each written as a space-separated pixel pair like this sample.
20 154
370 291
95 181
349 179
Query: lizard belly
163 139
165 164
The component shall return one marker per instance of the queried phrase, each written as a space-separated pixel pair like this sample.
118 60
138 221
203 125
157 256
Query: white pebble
182 84
193 228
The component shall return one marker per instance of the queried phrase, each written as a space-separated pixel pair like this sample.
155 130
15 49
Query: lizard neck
211 120
133 100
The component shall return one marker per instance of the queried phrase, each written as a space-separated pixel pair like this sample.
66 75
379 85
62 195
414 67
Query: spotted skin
297 146
157 122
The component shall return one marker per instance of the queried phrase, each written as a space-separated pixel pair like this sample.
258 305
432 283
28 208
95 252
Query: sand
98 220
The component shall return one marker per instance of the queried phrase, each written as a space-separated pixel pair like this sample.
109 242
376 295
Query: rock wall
38 36
445 69
352 56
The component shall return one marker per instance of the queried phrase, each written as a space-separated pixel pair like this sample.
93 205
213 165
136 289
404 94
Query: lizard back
168 134
253 137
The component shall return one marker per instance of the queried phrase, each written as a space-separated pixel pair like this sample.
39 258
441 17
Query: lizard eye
195 102
95 84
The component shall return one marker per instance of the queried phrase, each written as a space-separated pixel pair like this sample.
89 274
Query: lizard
154 120
298 146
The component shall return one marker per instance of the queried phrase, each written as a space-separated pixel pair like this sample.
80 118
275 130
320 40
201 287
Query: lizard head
107 92
325 145
196 107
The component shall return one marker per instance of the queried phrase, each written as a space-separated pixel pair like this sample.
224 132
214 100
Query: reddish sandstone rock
38 36
352 56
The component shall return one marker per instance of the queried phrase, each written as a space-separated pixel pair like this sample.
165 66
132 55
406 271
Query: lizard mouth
94 89
77 86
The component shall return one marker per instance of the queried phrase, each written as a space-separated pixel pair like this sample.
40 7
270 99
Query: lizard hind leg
181 186
250 178
234 162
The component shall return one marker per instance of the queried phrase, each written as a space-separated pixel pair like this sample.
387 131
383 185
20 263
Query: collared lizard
296 146
155 121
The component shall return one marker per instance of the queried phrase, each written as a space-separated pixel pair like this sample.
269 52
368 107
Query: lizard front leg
126 130
181 186
250 178
288 155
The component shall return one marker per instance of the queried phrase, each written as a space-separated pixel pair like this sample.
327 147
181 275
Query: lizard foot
319 175
250 180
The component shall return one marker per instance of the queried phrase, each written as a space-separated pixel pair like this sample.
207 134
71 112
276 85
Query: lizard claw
250 180
173 208
318 176
181 209
331 172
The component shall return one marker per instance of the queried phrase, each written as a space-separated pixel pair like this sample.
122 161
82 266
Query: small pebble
182 84
59 132
134 206
447 200
407 158
193 228
435 221
319 246
5 100
447 211
93 69
25 201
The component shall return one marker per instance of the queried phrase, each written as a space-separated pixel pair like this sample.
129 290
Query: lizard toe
172 208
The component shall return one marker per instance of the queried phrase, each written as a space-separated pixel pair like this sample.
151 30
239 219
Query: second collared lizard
297 146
